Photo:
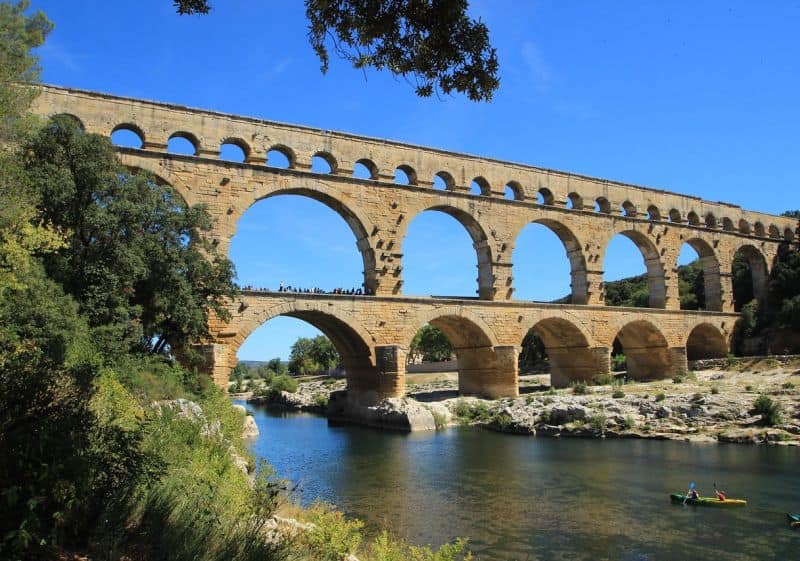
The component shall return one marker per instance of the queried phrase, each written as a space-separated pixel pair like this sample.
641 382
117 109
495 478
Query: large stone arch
652 260
574 251
705 340
569 352
646 350
357 223
484 368
480 242
352 341
712 284
758 270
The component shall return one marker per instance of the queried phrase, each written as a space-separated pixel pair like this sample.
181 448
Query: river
528 498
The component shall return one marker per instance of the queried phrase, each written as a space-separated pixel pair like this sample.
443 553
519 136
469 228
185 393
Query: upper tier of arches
412 166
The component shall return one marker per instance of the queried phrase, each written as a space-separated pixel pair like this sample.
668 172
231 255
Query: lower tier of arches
373 334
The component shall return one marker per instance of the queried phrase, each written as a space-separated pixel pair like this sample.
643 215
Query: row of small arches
282 156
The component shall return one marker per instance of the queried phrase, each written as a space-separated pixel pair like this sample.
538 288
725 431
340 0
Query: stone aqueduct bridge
373 333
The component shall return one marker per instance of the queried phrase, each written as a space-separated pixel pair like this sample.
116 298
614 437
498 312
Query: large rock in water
396 413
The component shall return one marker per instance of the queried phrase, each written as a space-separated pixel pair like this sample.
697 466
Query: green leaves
431 344
310 356
136 259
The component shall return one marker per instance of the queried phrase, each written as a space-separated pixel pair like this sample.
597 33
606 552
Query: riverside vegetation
110 448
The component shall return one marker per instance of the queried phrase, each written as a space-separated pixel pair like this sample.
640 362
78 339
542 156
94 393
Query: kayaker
693 494
720 494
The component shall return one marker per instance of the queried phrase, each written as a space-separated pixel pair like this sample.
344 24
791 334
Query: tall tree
136 260
430 42
310 356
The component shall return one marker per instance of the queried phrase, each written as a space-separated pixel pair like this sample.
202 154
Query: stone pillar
680 362
571 364
488 372
726 292
218 361
595 292
368 385
154 146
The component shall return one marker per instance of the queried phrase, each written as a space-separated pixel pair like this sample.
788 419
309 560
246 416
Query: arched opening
274 249
711 220
653 213
443 181
441 249
675 216
629 281
405 175
513 191
545 197
788 234
693 219
647 354
758 229
541 272
365 169
699 282
602 205
749 276
72 118
300 342
774 232
566 350
575 201
483 369
628 209
280 157
322 162
127 136
234 150
706 341
183 143
727 225
479 186
744 226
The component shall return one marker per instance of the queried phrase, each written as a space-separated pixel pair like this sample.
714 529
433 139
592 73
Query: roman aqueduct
372 333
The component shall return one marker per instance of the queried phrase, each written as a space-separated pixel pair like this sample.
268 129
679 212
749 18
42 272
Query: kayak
707 501
794 520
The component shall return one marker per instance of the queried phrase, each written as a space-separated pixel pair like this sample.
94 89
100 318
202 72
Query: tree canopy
433 43
430 345
311 356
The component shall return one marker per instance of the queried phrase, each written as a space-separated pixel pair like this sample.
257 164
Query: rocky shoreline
707 406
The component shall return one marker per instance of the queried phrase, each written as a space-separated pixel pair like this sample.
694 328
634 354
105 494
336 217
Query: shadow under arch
655 269
351 340
484 369
646 350
577 261
354 220
480 243
568 352
706 341
712 283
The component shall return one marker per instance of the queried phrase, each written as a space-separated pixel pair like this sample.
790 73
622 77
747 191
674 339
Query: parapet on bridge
373 333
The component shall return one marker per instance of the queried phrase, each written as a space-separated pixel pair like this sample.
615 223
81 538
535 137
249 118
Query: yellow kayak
707 501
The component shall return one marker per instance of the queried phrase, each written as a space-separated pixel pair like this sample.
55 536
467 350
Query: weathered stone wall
373 333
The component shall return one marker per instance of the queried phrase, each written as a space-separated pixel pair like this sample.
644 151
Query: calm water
524 498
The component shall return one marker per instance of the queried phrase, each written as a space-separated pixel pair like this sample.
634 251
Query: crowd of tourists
315 290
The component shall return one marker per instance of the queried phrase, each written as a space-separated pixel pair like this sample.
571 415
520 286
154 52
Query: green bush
618 394
684 377
386 548
502 420
333 536
597 421
603 380
618 362
478 412
748 387
580 388
788 385
715 390
283 383
661 396
769 410
321 400
628 423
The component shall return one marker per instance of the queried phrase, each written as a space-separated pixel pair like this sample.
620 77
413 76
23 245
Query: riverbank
706 406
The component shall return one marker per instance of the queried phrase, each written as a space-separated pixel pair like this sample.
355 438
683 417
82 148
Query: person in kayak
720 494
692 494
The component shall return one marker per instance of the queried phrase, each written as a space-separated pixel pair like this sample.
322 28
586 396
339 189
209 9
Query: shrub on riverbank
769 410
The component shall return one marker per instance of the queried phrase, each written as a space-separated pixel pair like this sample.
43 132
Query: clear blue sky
694 97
